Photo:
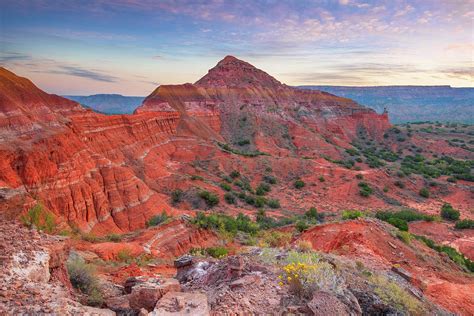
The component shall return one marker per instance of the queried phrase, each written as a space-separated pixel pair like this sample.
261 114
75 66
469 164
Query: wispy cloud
465 73
51 66
7 57
83 73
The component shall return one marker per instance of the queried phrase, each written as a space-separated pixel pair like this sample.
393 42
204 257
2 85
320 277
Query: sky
131 46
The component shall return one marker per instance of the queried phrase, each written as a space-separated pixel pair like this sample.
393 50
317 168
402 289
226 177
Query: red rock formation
79 163
109 173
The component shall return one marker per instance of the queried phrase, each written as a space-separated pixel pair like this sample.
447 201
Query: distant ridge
412 103
109 103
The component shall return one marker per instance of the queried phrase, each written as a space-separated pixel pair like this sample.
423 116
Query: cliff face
112 173
82 165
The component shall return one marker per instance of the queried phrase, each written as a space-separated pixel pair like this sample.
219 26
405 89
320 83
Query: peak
228 58
233 72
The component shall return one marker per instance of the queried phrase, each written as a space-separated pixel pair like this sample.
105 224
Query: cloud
83 73
407 9
464 73
7 57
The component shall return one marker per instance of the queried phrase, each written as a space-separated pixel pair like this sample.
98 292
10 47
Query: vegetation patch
449 213
299 184
351 214
211 199
464 224
158 219
40 218
364 189
392 294
230 149
451 252
83 277
305 273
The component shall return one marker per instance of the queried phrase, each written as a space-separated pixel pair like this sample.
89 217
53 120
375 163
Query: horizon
130 47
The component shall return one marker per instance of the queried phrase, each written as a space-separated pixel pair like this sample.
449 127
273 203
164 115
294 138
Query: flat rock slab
181 303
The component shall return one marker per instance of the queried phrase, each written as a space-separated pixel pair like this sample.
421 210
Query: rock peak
233 72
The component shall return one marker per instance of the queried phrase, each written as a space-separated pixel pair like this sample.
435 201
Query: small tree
229 198
235 174
312 213
176 196
298 184
424 192
449 213
301 226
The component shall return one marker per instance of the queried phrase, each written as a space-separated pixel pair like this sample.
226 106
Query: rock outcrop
112 173
33 275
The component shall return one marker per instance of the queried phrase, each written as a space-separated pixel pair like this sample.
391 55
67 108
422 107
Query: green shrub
234 174
176 196
210 198
260 201
226 223
464 224
276 239
273 203
312 213
40 218
301 226
249 199
229 198
406 215
243 142
424 192
365 190
394 295
404 236
269 179
263 188
399 223
196 177
266 222
298 184
217 252
125 255
225 186
321 179
351 214
452 253
449 213
113 237
399 184
451 179
158 219
83 278
359 176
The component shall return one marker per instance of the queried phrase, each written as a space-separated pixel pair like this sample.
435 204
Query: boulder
120 304
147 293
183 262
181 303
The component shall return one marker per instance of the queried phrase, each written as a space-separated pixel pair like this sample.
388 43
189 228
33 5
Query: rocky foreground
361 268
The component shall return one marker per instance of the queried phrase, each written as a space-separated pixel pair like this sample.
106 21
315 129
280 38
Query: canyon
148 198
110 173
